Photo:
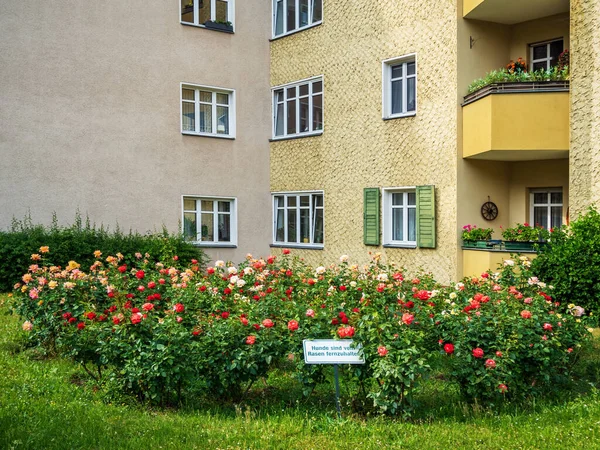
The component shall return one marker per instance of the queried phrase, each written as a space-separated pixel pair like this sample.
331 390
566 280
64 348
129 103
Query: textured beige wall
358 149
539 30
89 107
584 176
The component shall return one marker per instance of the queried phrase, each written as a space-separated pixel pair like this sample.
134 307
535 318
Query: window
207 111
298 108
546 207
210 221
400 217
400 87
545 55
198 12
293 15
298 219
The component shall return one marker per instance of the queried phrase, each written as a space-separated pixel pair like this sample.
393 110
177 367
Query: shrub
78 242
571 261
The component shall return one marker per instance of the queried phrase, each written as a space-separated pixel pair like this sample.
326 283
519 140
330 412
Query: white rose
232 270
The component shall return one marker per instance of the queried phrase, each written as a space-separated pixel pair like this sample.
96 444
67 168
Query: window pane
279 226
224 228
291 226
223 99
205 118
556 197
397 71
398 224
540 197
190 232
397 97
224 206
410 68
187 11
222 119
279 201
206 96
279 95
187 94
556 219
221 13
317 86
412 223
291 201
397 198
410 100
318 227
291 117
317 10
279 120
305 200
207 227
305 226
540 216
412 198
188 118
189 204
540 51
318 200
540 65
291 15
317 112
279 18
207 205
303 12
304 125
291 92
556 49
203 11
303 89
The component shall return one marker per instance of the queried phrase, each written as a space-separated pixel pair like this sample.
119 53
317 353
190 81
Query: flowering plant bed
161 330
525 233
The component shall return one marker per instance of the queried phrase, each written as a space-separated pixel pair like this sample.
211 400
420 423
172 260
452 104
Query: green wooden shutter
426 216
371 216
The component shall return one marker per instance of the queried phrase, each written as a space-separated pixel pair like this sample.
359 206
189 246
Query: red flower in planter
477 352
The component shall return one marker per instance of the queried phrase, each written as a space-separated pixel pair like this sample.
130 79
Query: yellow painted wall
358 149
547 28
475 262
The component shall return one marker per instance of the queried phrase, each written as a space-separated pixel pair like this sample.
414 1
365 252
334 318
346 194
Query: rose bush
159 330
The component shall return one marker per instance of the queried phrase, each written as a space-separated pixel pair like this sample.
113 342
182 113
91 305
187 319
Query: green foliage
472 233
78 242
571 262
506 76
523 232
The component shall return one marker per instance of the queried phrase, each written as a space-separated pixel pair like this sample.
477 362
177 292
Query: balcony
517 122
509 12
477 261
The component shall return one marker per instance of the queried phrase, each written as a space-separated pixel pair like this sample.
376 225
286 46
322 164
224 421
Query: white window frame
214 90
548 204
387 216
548 58
310 81
386 91
297 244
214 199
213 13
297 18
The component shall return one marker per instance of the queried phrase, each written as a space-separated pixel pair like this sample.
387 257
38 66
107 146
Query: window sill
400 245
296 136
302 246
213 245
218 136
298 30
188 24
400 116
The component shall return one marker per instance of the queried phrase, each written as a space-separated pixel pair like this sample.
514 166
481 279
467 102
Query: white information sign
331 351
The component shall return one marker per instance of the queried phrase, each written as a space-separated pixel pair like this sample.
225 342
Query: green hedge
78 242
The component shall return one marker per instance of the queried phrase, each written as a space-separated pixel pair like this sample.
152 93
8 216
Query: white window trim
233 220
296 30
310 81
387 218
276 243
548 59
386 90
214 90
549 205
213 13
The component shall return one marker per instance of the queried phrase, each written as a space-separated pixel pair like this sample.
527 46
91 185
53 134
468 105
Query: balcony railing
515 88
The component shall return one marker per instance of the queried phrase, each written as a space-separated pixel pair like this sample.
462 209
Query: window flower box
519 246
220 26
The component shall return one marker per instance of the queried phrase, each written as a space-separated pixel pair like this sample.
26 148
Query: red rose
407 318
355 310
175 258
503 388
286 251
80 326
344 320
525 314
382 351
250 340
225 314
141 288
269 290
194 261
129 296
270 260
72 319
449 348
113 308
267 323
67 315
288 273
227 291
202 288
256 326
116 320
122 268
151 285
136 318
292 325
547 327
345 332
135 310
342 288
477 352
490 363
499 354
111 294
147 306
179 308
195 332
334 321
140 274
91 315
210 270
485 275
341 314
102 318
409 304
244 321
161 281
311 281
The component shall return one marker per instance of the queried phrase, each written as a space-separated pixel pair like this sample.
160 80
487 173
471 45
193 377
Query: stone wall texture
358 149
585 106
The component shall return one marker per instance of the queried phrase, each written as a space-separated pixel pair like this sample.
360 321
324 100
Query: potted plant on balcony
219 25
474 237
524 237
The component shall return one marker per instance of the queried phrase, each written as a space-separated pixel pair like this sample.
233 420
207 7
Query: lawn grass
49 404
